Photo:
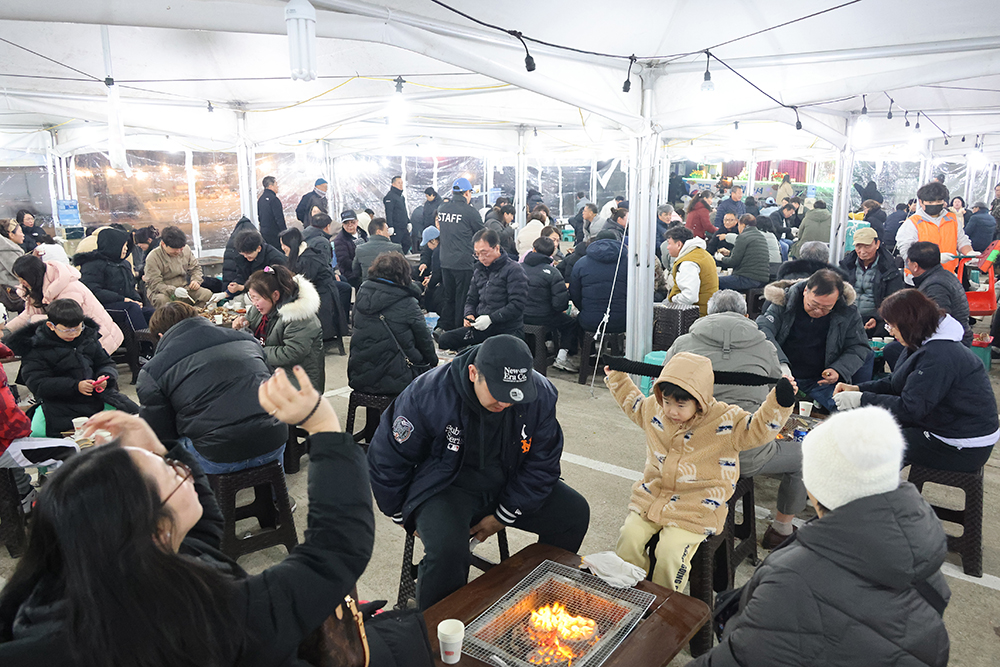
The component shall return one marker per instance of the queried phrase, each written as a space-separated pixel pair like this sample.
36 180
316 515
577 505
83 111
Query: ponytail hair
618 213
273 279
292 239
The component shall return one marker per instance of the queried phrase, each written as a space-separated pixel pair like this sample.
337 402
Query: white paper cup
451 632
218 319
805 408
78 422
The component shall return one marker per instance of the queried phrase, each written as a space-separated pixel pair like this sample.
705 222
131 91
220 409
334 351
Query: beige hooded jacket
691 468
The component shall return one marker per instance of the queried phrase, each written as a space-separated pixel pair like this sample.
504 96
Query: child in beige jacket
692 460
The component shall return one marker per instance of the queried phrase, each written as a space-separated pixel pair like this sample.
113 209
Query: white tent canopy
213 75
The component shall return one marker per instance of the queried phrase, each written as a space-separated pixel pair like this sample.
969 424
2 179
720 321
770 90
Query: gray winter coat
369 250
9 252
735 344
846 342
842 592
294 334
944 288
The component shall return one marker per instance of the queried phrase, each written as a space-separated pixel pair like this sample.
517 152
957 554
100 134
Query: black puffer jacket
506 234
275 609
376 365
547 293
397 218
107 275
52 368
202 384
944 288
841 592
940 387
311 265
231 257
499 290
268 256
846 342
431 211
590 285
566 266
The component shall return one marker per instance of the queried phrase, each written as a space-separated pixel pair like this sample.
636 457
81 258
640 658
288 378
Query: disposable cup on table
78 422
451 632
805 408
218 319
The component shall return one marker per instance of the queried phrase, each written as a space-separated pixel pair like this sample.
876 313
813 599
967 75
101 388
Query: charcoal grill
501 635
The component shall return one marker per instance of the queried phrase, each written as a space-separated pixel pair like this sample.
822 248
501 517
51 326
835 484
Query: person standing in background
458 222
311 200
395 214
270 215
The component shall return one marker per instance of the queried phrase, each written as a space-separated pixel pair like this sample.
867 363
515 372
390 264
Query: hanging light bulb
627 86
707 86
399 84
300 22
917 126
889 115
906 117
863 118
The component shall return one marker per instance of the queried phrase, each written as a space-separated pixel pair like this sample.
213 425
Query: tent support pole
642 235
245 169
192 201
521 189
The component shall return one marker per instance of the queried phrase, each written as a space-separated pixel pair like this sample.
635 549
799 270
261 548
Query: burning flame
553 623
554 617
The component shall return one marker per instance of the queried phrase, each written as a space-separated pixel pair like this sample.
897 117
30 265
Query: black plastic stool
969 545
270 507
295 449
375 405
537 334
613 342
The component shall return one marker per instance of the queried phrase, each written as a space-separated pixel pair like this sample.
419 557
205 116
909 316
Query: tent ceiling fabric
467 84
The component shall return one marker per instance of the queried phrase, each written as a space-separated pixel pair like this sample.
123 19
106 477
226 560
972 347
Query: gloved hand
947 257
847 400
482 322
784 392
182 293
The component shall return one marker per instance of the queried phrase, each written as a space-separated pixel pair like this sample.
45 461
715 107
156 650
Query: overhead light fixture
889 115
917 126
300 22
210 107
399 83
736 124
707 86
627 86
863 118
798 123
529 62
906 117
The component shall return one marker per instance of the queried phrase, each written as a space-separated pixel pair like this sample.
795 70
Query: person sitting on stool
474 443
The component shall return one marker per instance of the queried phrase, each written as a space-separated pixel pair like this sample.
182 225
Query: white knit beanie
853 454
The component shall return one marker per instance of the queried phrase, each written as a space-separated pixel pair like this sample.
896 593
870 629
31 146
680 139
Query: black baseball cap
505 362
348 215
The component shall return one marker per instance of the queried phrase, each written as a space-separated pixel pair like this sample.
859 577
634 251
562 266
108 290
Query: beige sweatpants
674 551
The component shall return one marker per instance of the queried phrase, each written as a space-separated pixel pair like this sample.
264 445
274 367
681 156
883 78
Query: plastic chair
969 545
540 355
270 507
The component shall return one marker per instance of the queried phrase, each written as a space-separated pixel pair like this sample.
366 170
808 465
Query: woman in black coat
109 276
386 302
309 263
140 578
939 391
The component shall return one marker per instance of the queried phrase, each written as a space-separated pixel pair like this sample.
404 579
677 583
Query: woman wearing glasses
939 391
44 282
123 566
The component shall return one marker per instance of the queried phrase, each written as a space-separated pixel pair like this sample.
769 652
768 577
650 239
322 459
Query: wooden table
672 620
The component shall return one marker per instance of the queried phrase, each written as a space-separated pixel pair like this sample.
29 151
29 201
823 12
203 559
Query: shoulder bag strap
393 336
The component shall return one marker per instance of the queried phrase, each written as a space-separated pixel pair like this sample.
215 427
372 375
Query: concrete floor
603 453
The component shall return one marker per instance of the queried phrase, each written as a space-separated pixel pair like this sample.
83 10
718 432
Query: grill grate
505 636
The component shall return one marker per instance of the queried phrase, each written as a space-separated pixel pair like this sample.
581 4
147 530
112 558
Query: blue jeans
738 283
823 393
213 468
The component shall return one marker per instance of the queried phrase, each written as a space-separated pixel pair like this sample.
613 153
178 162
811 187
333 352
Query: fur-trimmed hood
305 305
795 269
779 291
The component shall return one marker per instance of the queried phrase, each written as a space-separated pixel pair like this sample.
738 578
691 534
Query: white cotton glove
611 568
785 370
216 298
947 257
182 293
482 323
847 400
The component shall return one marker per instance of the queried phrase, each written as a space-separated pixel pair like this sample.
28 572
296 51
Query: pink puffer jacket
63 282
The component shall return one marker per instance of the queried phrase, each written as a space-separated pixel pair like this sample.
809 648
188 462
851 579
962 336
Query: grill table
672 620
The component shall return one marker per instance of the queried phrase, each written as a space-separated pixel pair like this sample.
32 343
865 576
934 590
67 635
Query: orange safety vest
945 236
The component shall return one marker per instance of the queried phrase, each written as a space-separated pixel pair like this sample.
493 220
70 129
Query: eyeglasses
69 330
182 471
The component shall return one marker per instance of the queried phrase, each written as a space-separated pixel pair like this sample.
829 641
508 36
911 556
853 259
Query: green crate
984 355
